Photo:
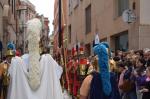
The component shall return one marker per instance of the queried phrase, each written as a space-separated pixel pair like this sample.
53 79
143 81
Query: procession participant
69 70
35 78
4 66
75 78
1 72
99 85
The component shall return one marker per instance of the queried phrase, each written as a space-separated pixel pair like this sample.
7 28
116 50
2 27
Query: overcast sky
45 7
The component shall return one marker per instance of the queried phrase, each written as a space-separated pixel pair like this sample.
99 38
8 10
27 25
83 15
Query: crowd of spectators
133 73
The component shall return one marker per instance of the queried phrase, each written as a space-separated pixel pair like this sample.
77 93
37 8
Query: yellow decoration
82 69
9 53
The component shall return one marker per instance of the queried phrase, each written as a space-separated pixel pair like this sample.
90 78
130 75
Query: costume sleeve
11 70
59 69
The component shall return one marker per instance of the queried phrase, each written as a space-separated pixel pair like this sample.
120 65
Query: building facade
1 27
51 44
88 17
9 21
1 20
60 24
56 27
45 31
25 12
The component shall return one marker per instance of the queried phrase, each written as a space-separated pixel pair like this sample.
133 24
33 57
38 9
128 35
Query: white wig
34 27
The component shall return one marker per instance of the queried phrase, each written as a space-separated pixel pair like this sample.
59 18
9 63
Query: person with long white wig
33 76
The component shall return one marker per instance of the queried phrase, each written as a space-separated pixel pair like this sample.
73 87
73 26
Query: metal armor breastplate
5 75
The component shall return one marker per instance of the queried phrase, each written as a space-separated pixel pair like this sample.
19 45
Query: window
88 19
121 41
122 5
69 36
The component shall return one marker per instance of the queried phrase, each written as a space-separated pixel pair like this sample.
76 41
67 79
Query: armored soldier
4 66
4 72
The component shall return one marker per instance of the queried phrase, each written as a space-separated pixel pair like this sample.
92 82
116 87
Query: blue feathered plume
11 46
103 58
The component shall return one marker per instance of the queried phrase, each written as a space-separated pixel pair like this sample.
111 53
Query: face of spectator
149 55
148 72
146 55
132 52
120 69
128 57
120 53
138 55
134 57
139 64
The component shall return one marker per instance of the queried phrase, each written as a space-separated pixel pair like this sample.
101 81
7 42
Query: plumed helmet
11 46
103 63
10 49
105 44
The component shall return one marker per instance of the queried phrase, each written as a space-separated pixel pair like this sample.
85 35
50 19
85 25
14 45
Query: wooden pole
65 63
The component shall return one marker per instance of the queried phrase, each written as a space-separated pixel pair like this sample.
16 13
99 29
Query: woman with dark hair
139 53
140 76
126 82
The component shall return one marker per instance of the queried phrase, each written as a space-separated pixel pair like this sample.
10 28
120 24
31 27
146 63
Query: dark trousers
0 87
5 91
